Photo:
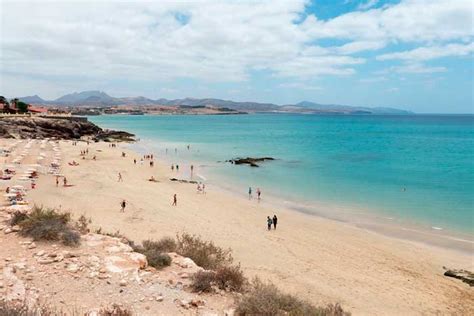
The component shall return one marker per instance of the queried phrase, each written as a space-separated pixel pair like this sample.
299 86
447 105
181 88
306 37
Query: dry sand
319 259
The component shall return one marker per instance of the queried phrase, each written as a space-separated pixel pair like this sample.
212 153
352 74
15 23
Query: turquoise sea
416 169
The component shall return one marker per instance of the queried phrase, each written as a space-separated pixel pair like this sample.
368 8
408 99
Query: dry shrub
203 281
17 218
21 309
154 253
82 224
229 278
165 244
266 300
114 310
204 253
47 224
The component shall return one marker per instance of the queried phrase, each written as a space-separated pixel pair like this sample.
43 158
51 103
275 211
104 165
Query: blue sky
410 54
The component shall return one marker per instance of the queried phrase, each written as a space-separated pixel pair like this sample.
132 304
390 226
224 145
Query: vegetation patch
154 252
49 225
267 300
204 253
17 218
229 278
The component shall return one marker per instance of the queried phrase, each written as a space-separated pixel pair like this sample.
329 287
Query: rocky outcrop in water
57 128
252 162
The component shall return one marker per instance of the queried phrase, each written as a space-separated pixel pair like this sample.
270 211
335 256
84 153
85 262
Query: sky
409 54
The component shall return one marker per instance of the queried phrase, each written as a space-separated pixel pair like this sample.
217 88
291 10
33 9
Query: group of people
259 193
272 221
201 188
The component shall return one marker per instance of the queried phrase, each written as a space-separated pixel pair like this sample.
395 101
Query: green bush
204 253
47 224
266 300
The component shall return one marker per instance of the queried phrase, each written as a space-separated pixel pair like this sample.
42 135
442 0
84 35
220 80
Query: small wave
436 228
201 177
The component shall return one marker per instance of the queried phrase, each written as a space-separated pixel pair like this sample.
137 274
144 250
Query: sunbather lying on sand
152 179
73 163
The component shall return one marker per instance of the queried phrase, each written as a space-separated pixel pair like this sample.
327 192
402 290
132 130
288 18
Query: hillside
102 99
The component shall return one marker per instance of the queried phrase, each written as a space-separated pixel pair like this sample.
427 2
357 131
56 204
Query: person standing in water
258 194
250 193
177 168
275 220
269 223
175 200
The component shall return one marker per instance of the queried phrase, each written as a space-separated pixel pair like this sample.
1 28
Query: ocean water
416 169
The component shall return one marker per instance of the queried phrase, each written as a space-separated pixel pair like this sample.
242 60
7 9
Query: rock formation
57 128
250 161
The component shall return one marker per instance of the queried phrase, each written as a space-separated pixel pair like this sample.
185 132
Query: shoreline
366 219
318 259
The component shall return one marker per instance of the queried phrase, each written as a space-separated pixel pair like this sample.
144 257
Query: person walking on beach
250 193
123 204
172 167
177 168
64 181
120 177
57 181
275 220
203 188
269 223
175 200
134 161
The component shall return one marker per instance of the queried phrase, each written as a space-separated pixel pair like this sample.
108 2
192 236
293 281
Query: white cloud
367 5
431 52
416 68
210 40
408 21
299 86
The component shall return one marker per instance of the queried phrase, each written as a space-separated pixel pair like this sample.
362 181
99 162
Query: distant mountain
32 99
100 99
86 97
350 109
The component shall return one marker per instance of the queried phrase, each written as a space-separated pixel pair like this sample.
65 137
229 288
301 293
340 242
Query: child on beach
175 200
269 223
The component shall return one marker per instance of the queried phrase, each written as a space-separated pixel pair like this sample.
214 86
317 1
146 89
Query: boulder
252 162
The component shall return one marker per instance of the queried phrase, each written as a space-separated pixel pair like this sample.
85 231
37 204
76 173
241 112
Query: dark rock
183 181
250 161
56 128
463 275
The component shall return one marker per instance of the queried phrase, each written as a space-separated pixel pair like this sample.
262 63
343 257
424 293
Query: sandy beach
319 259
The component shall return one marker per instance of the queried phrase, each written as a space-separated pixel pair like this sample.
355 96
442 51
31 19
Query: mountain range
101 99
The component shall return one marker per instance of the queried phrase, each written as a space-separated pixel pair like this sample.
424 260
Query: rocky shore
65 128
